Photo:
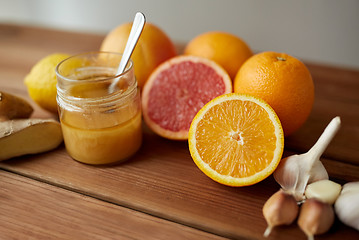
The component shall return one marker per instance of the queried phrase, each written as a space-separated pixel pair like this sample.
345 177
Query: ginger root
12 107
28 136
20 135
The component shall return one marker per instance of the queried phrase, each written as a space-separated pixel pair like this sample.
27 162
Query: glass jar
100 124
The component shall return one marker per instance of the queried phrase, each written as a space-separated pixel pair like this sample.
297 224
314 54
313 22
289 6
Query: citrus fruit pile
236 138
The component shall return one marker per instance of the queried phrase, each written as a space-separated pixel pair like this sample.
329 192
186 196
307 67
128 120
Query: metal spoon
136 30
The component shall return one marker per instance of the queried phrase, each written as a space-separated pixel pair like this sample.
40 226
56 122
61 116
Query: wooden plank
35 210
161 179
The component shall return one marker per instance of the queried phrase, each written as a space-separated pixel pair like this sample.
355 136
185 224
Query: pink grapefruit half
177 89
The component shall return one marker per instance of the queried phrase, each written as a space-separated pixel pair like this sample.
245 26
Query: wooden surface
159 193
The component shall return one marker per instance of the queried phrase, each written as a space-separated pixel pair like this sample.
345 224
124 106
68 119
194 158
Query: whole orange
226 49
153 48
283 81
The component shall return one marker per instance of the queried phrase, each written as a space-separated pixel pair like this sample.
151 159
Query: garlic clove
347 205
324 190
315 217
280 209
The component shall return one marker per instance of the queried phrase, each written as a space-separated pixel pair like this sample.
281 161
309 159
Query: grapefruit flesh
177 90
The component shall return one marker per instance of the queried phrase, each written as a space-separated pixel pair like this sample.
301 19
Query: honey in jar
99 125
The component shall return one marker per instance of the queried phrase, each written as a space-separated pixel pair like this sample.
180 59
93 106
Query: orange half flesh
236 139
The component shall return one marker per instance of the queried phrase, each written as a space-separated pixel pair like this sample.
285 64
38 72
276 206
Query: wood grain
161 179
34 210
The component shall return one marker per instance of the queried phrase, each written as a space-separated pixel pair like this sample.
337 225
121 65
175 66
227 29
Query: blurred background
320 31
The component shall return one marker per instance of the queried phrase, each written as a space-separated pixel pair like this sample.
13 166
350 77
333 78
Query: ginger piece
12 107
28 136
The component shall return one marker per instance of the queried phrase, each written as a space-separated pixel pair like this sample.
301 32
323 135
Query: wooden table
159 193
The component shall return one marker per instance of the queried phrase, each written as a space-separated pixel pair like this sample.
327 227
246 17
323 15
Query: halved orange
236 139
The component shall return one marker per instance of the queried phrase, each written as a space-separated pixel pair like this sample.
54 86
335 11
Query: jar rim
100 99
58 73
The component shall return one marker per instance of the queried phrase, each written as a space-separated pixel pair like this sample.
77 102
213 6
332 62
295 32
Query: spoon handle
136 30
319 147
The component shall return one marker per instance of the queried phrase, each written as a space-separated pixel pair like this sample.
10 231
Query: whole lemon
41 81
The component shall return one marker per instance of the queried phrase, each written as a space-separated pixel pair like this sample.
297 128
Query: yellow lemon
41 81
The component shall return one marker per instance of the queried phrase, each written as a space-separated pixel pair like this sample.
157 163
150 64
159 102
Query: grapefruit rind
183 134
226 179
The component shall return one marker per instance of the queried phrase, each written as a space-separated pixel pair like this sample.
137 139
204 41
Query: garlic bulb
347 205
295 172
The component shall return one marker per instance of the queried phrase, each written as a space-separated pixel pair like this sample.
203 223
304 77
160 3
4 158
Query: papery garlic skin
280 209
287 175
350 187
325 190
347 205
318 172
295 172
315 217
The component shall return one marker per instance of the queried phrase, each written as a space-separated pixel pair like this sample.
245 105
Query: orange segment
236 139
